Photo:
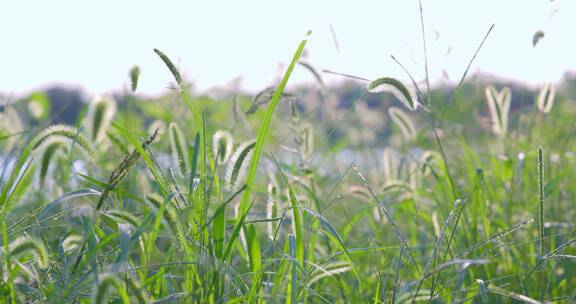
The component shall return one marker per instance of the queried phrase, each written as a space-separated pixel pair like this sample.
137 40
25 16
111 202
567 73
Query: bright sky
93 44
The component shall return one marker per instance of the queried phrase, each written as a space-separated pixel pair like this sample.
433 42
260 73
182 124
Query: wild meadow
404 193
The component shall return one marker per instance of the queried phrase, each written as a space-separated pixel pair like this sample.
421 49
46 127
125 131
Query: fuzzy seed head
545 99
71 133
430 161
388 164
222 145
134 76
396 88
178 147
50 151
29 246
499 105
159 125
170 66
272 209
101 111
72 242
238 165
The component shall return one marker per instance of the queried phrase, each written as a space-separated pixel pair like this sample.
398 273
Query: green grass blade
264 128
245 203
298 227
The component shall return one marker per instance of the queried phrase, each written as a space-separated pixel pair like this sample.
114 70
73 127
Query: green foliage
104 288
332 204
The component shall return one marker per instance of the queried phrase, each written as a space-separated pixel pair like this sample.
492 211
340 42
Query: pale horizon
92 46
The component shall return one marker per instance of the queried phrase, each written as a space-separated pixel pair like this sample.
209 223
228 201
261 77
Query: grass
307 210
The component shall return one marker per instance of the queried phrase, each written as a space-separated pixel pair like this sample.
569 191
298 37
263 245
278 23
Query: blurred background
77 50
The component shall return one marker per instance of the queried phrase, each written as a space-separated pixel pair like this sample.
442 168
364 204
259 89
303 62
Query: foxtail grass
30 246
222 145
389 165
430 161
404 123
238 165
272 210
170 66
64 131
541 197
499 105
178 148
545 100
99 117
396 88
134 77
49 154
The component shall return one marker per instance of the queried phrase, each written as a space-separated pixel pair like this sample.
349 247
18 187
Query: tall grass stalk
541 198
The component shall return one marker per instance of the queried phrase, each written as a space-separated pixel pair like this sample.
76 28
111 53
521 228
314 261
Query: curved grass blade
329 228
512 295
70 195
